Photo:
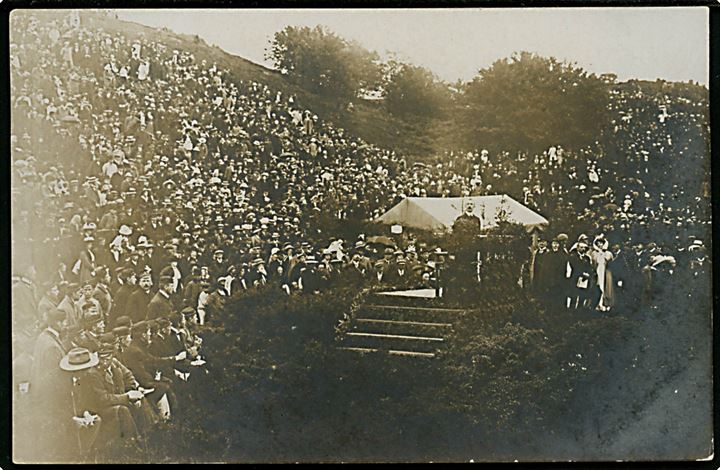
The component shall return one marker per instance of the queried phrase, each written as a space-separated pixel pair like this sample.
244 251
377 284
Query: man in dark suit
144 365
192 289
160 306
397 275
467 223
85 265
122 295
137 304
102 391
51 299
552 272
50 389
69 304
218 266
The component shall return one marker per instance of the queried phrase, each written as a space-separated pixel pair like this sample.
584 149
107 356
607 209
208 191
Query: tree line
524 102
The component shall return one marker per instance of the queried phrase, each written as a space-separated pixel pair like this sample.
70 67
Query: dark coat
397 277
71 309
143 364
87 266
160 306
122 295
192 292
46 372
51 398
137 305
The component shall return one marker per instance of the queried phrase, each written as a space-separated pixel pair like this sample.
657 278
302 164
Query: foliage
414 93
529 103
324 63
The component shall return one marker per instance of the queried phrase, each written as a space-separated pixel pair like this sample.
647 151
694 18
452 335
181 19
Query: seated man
100 394
146 367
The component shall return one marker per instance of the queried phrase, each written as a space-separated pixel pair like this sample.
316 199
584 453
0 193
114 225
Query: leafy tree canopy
324 63
414 92
529 103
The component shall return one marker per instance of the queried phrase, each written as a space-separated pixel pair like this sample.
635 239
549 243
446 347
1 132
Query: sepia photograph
360 235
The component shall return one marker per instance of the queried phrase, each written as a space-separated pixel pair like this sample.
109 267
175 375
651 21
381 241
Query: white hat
125 230
79 359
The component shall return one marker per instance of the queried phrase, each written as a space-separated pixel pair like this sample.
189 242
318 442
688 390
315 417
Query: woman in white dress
601 256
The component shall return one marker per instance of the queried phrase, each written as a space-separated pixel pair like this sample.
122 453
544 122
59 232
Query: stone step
393 336
410 314
412 308
403 322
400 327
385 342
392 352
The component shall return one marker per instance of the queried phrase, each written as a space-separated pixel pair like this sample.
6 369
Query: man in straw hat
86 423
101 390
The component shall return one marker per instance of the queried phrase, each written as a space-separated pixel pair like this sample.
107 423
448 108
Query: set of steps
398 330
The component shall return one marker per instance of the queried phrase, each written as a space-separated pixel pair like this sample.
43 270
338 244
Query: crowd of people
148 187
594 275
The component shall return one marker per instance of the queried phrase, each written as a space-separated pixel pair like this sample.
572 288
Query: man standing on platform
465 229
468 223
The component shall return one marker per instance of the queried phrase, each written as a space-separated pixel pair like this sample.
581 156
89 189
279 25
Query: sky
643 43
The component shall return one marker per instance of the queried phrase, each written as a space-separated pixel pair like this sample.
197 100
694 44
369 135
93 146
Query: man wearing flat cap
137 304
218 266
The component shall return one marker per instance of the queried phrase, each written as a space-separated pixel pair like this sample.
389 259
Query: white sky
643 43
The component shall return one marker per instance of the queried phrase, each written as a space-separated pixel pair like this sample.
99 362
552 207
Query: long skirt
608 295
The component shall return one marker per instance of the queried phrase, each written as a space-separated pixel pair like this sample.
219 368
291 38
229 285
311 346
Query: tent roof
439 213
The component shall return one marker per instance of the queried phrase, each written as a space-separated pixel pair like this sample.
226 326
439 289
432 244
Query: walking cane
75 413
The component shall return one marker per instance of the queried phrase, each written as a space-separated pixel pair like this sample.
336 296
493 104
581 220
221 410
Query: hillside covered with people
192 232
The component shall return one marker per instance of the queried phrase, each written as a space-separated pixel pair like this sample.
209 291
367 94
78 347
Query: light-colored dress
600 260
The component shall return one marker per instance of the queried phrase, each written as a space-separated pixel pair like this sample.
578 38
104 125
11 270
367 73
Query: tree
414 92
324 63
529 103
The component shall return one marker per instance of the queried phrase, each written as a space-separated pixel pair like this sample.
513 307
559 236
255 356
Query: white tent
439 213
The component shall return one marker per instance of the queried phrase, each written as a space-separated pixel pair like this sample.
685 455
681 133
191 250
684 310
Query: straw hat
79 359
